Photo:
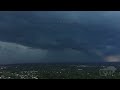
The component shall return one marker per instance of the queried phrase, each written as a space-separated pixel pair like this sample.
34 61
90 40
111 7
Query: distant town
61 71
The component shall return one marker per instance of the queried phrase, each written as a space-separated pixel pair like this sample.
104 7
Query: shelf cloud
59 36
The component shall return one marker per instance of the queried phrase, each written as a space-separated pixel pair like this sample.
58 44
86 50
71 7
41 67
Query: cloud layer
65 36
15 53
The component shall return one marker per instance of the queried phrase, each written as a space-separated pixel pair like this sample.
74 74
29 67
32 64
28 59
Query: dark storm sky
59 36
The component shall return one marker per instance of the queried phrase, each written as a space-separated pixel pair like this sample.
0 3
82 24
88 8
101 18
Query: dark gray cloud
15 53
66 35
